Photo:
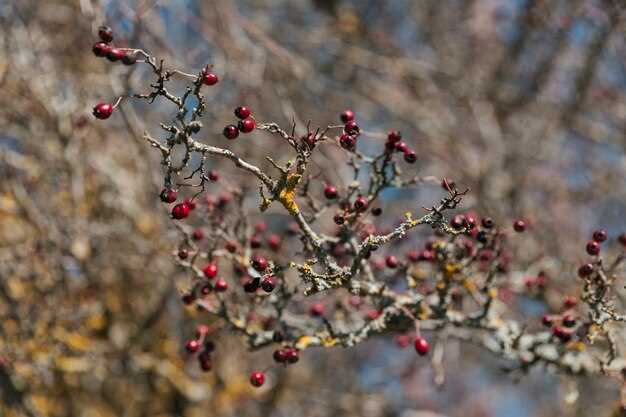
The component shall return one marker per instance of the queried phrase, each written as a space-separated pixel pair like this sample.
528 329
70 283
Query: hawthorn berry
330 192
257 379
103 110
210 271
570 301
377 211
129 58
622 239
231 246
421 346
180 211
280 355
347 116
260 227
593 248
188 298
243 112
204 359
519 226
547 320
221 285
347 141
401 147
274 241
600 236
458 222
360 204
192 346
246 125
268 284
190 203
197 234
259 263
410 156
585 270
214 176
339 219
209 78
115 54
101 49
231 132
351 127
251 285
168 195
291 355
562 334
391 261
106 34
317 310
394 136
183 254
487 222
569 320
255 242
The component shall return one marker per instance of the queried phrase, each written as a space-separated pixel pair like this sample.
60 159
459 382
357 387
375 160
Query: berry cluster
246 123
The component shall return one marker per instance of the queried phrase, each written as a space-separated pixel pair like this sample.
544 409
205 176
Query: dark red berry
192 346
190 203
210 271
197 234
585 270
247 125
101 49
317 310
251 285
280 355
183 254
600 236
458 222
180 211
259 263
221 285
214 176
330 192
339 219
260 227
129 58
391 261
255 242
487 222
547 320
168 195
347 141
401 147
102 111
291 355
351 127
360 204
105 33
231 132
570 301
243 112
188 298
347 116
209 78
562 334
377 211
268 284
622 239
394 136
274 242
569 320
421 346
519 226
257 379
204 359
402 340
410 156
115 54
593 247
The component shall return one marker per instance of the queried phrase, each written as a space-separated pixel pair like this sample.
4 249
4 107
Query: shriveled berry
347 116
168 195
103 111
105 33
231 132
255 241
593 248
180 211
519 226
246 125
210 271
330 192
209 78
600 236
569 320
183 254
243 112
188 298
570 301
221 285
547 320
257 379
562 334
421 346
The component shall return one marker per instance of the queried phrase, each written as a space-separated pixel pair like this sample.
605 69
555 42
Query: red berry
401 147
260 227
101 49
291 355
214 176
347 116
570 301
105 33
188 298
168 195
231 246
519 226
190 203
410 156
197 234
247 125
210 271
102 111
268 284
243 112
562 334
622 239
221 285
377 211
259 263
360 204
231 132
115 54
347 141
209 78
546 320
600 236
593 247
183 254
251 285
351 127
257 379
204 359
255 242
339 219
129 58
280 355
317 310
394 136
330 192
458 222
421 346
569 320
180 211
391 261
192 346
274 241
487 222
585 270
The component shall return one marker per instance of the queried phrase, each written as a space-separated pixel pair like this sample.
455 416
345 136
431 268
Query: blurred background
522 101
